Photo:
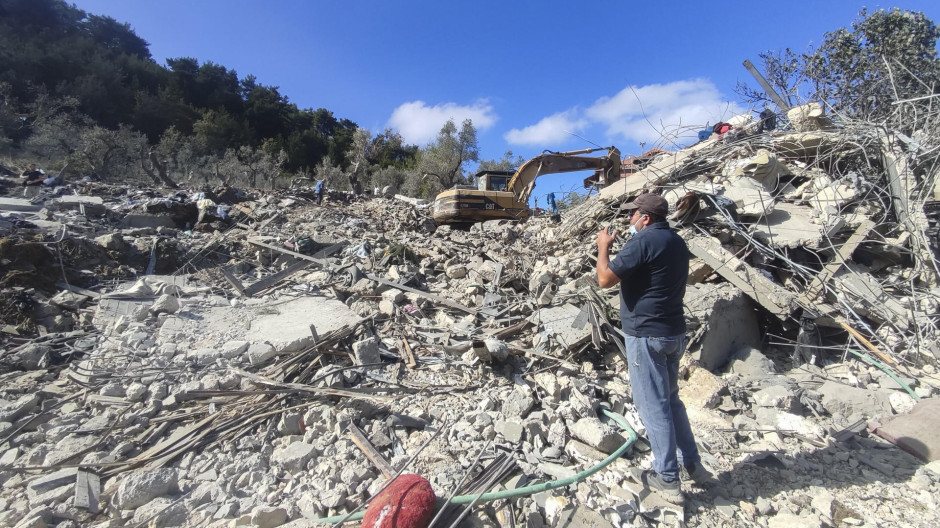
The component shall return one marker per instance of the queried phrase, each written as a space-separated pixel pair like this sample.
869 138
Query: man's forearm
605 277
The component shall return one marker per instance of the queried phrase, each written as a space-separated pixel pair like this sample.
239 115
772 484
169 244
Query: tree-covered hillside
83 89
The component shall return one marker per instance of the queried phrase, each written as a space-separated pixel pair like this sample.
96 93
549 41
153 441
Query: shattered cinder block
142 487
597 434
366 351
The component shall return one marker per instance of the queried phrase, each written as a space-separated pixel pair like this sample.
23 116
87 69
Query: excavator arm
606 167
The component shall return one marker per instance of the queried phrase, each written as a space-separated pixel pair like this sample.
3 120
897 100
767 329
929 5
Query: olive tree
862 71
444 159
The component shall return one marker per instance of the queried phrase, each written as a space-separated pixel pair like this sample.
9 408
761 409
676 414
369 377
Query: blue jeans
654 377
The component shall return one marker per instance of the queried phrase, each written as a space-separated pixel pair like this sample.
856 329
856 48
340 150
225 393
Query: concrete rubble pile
231 358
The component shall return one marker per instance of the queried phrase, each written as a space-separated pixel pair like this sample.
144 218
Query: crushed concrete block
387 307
829 200
775 396
838 398
366 351
162 511
785 519
233 349
457 271
809 117
10 412
135 392
268 516
749 361
291 424
294 457
901 402
29 358
511 431
548 382
288 330
776 418
597 434
583 517
260 352
517 404
52 481
142 487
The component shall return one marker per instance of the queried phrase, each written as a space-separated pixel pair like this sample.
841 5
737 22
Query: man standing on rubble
652 269
318 190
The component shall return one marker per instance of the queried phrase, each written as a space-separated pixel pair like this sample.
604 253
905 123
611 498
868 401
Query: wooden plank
431 296
768 89
359 438
775 299
274 278
286 251
233 280
88 491
352 392
106 400
817 286
866 343
410 362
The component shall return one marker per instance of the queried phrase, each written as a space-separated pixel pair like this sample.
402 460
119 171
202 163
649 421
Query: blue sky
530 74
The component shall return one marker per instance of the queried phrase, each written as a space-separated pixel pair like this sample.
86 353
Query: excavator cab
493 180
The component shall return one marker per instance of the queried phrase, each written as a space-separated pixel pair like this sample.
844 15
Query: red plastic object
407 503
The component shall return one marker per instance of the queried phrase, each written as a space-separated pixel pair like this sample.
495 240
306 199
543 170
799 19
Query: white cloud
648 113
548 131
419 123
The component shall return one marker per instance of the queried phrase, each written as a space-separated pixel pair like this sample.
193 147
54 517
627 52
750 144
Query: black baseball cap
648 203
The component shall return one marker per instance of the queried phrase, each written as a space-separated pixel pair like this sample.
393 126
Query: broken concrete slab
727 319
703 390
561 321
18 205
839 398
791 226
288 329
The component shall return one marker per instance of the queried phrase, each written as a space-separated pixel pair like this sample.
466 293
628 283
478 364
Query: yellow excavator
505 194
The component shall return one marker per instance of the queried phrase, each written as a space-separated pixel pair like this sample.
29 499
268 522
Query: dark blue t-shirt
653 268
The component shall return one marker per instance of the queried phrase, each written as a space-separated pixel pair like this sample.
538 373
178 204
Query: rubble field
239 358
